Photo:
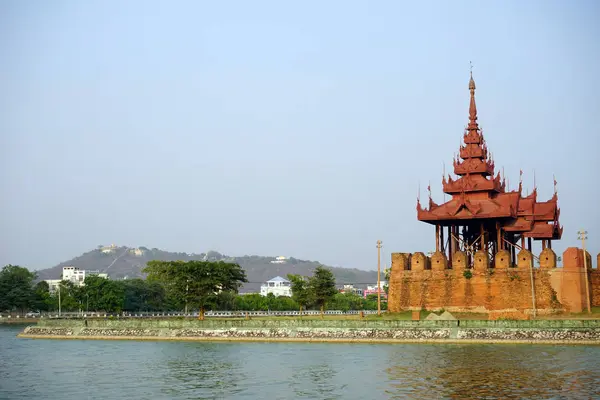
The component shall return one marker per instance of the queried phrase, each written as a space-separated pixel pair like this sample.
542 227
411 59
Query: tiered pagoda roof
478 194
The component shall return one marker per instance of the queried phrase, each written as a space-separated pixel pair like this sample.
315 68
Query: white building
373 287
108 249
279 260
278 286
137 252
352 289
75 275
373 290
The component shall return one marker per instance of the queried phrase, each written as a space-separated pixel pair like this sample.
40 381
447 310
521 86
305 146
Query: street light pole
583 236
379 277
59 284
187 287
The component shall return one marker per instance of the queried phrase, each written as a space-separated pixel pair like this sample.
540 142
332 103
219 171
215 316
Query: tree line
173 286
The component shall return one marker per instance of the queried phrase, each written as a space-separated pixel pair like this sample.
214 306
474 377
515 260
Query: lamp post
379 277
187 288
582 235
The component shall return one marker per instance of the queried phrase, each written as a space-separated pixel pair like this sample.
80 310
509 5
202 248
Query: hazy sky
282 128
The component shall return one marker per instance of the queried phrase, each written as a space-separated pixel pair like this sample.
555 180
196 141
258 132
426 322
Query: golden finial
471 81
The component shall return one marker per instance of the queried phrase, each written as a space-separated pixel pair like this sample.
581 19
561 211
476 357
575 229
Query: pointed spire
472 105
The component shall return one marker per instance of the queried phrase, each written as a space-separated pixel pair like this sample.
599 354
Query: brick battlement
419 282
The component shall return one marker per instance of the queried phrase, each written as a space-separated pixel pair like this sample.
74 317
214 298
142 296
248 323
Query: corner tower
481 214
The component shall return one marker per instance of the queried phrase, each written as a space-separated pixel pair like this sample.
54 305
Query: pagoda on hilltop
482 214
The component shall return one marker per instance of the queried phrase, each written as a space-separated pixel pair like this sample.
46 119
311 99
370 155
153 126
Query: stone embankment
380 331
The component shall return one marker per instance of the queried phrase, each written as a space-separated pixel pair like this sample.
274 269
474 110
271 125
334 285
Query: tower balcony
474 166
472 151
472 183
473 136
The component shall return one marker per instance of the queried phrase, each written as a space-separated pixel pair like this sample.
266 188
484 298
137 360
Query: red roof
477 194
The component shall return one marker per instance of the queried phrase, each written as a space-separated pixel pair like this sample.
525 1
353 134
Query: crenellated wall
485 288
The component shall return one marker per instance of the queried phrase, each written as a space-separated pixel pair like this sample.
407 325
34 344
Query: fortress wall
595 286
493 289
470 290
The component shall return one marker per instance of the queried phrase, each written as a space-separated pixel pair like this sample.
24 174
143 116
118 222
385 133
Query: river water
73 369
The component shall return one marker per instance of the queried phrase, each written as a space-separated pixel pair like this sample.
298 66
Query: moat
74 369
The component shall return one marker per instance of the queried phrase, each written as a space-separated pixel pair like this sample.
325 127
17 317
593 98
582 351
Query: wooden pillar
482 238
437 238
450 244
543 244
530 244
456 236
513 255
454 242
498 237
442 239
522 242
549 244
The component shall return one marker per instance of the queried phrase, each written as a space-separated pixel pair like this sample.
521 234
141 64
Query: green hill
123 262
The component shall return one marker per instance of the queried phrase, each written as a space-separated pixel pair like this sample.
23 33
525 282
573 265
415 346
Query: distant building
278 286
137 252
75 275
373 290
351 289
108 249
279 260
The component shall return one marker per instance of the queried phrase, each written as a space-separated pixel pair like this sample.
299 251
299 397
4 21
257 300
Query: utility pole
59 284
187 287
379 277
583 236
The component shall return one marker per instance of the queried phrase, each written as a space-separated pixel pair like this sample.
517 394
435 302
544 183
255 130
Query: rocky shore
407 332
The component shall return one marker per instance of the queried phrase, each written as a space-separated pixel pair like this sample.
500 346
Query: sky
302 129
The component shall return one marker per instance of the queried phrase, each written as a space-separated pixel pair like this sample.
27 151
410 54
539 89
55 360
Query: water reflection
64 370
200 368
320 377
490 372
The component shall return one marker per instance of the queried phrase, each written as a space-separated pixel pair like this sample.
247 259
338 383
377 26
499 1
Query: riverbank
18 321
298 330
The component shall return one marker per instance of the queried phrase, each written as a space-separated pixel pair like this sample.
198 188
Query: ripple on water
66 370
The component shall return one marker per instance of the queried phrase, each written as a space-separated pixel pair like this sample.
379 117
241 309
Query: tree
101 294
300 290
226 301
197 282
42 300
113 296
70 297
16 288
322 287
387 274
346 301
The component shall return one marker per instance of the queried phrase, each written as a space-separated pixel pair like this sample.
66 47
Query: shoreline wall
379 331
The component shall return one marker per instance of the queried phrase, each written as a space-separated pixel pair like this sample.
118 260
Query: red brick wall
494 289
595 284
488 290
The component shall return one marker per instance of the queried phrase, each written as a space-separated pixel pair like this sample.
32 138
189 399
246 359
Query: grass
384 316
404 316
407 315
582 315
